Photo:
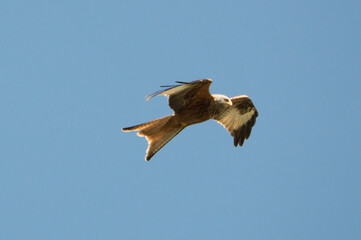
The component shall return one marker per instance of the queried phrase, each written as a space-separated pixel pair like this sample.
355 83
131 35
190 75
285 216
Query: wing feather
239 119
180 95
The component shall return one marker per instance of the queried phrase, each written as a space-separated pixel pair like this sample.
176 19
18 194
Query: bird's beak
230 103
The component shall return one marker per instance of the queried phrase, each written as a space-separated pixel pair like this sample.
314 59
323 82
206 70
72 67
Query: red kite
192 103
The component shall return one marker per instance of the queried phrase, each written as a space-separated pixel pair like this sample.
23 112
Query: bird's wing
179 96
239 119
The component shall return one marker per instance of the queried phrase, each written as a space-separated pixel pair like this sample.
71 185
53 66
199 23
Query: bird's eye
226 100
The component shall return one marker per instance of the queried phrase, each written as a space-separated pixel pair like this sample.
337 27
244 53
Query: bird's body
192 103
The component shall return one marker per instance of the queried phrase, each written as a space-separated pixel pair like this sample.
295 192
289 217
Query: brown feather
157 132
159 121
180 96
157 140
239 119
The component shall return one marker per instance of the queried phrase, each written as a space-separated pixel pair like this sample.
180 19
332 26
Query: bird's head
222 100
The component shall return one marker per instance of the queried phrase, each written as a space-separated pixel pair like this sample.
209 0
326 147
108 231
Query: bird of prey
192 103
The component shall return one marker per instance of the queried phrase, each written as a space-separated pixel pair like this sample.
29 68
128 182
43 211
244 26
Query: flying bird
192 103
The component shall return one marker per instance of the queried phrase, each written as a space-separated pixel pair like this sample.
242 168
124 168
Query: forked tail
157 132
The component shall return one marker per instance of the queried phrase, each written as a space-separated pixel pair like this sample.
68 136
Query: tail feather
160 139
157 132
159 121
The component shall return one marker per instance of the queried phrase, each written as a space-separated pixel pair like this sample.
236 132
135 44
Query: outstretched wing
239 119
179 96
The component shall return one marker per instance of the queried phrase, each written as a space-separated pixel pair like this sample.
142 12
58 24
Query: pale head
222 100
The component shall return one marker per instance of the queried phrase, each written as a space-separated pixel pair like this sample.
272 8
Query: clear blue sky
73 73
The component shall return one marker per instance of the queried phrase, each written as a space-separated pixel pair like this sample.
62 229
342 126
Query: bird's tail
157 132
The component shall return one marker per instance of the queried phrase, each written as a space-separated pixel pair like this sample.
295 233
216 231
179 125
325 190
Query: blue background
73 73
